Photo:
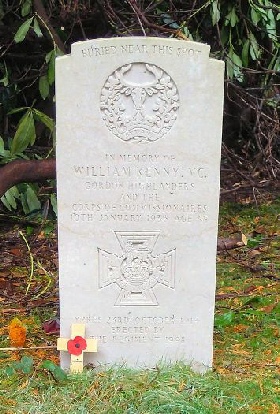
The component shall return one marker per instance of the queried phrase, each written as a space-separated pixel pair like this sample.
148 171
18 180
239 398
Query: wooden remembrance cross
76 346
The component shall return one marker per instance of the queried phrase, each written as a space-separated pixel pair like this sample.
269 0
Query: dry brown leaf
254 253
268 308
250 289
16 251
240 328
244 239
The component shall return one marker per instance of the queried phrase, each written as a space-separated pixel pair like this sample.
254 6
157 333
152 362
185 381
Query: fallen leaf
240 328
182 386
244 240
18 273
250 289
254 253
4 273
240 352
17 332
6 285
51 327
16 251
269 308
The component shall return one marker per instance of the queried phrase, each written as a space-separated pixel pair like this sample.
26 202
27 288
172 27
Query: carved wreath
140 110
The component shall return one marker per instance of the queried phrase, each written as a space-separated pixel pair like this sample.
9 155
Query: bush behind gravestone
244 35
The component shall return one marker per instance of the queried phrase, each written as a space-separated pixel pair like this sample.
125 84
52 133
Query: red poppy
77 345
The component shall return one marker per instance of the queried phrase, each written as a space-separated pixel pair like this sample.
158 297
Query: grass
246 374
167 389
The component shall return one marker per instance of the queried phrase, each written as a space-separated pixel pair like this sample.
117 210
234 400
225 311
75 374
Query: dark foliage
244 34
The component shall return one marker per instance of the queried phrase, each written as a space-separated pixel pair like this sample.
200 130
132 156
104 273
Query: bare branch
22 171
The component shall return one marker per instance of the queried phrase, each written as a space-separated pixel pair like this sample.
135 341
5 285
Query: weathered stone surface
138 155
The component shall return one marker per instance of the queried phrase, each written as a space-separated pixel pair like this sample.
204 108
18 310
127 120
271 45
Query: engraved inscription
147 328
141 49
139 102
137 272
147 187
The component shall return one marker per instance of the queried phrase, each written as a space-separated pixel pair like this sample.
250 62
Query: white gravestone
138 154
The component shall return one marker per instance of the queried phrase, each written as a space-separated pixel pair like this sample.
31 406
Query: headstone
138 153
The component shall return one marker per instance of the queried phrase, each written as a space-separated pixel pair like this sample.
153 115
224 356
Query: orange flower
17 333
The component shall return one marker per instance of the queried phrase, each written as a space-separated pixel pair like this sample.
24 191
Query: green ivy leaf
270 14
6 204
40 116
50 59
22 31
224 35
36 28
9 198
25 134
44 86
167 19
232 61
10 370
48 365
3 153
26 364
16 110
233 17
215 12
24 201
187 32
17 365
32 199
26 7
229 66
56 371
254 47
255 16
255 241
271 26
236 60
237 66
59 374
2 148
54 203
245 53
5 79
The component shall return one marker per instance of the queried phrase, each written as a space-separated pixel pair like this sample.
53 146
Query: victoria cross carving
139 102
138 270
